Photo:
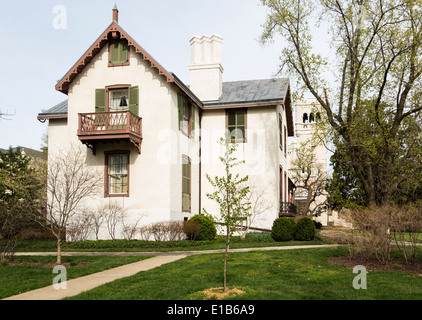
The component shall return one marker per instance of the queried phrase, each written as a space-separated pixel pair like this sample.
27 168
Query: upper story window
186 113
117 98
236 125
118 53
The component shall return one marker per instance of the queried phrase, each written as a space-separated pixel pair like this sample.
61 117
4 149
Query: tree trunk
226 256
59 250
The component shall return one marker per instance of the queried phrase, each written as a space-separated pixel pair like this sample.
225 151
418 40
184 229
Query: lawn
25 276
273 275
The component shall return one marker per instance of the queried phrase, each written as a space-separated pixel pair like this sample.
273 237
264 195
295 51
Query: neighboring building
26 152
156 138
307 113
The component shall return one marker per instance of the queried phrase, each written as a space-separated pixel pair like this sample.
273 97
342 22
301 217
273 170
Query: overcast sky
38 48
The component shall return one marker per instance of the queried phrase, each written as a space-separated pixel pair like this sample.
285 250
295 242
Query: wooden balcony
287 209
109 127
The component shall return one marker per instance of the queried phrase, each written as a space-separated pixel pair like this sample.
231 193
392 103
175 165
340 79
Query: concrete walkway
76 286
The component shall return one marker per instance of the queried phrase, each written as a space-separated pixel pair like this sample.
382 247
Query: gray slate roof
251 92
247 92
56 111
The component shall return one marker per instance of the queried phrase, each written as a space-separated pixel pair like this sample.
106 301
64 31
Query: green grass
273 275
15 279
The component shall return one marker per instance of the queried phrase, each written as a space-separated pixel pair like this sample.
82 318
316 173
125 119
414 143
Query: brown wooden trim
106 185
187 158
63 85
243 106
52 117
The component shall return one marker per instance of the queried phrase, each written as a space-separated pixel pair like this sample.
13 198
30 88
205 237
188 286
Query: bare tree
114 214
310 179
97 219
130 229
69 181
259 205
80 227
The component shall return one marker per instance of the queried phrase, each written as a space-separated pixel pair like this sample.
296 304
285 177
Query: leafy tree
20 196
376 100
231 194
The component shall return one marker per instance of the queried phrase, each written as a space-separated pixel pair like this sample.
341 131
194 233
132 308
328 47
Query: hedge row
286 229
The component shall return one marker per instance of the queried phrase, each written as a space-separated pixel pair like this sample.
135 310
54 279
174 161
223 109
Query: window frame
110 63
245 110
107 193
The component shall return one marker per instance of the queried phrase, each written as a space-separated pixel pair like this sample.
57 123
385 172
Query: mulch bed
372 264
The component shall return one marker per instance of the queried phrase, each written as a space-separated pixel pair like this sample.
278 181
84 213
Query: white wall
155 179
261 153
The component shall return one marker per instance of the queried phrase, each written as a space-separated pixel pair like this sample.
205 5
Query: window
186 116
280 131
117 98
236 125
117 173
305 118
186 184
118 53
285 140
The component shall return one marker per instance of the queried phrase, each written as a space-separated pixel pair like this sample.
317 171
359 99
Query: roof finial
115 14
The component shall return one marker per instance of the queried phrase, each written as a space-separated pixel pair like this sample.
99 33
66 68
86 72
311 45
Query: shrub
207 228
305 229
283 229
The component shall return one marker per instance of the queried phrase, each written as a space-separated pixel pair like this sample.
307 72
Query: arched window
305 118
318 117
311 118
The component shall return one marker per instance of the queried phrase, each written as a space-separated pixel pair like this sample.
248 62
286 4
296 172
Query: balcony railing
106 126
287 209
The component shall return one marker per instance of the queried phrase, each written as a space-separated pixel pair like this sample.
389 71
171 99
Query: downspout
200 159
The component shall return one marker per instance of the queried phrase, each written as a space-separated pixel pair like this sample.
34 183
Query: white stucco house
155 138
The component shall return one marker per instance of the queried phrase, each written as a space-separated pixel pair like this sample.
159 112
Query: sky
42 39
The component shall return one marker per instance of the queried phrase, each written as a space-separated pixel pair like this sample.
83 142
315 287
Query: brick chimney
206 71
115 14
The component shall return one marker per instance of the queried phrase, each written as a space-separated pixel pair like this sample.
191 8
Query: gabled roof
113 31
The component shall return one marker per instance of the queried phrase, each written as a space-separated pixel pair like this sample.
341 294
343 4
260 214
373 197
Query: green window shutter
180 109
100 100
134 100
123 52
114 52
186 187
119 52
192 120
